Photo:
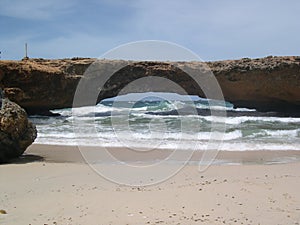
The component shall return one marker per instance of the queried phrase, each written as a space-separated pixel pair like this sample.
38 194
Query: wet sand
63 154
54 185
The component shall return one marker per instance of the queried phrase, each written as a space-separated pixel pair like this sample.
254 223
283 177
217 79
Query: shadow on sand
25 158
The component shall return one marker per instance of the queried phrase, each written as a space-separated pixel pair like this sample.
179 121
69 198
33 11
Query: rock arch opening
119 82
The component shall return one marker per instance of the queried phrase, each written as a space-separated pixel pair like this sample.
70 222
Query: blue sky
213 29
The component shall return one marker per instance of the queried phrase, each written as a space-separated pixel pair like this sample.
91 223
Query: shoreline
72 154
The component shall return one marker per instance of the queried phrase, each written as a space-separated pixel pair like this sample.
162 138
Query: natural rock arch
266 84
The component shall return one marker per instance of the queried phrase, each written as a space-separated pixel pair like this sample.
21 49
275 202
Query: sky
212 29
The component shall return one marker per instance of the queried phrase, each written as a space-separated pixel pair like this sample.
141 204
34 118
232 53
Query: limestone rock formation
39 85
16 132
266 84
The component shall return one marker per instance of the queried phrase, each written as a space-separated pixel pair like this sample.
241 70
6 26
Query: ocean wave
243 119
131 124
283 133
191 145
156 136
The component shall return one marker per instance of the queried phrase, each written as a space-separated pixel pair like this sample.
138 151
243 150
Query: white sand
48 192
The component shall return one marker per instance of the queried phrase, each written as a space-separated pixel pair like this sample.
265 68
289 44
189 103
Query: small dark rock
2 211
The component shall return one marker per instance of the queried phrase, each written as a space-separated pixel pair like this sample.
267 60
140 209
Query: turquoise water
153 122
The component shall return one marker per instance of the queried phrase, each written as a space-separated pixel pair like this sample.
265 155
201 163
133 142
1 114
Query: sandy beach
62 189
149 113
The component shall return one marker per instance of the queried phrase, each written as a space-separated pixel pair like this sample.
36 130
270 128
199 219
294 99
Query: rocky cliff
266 84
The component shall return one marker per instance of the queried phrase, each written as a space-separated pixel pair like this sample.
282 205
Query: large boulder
16 132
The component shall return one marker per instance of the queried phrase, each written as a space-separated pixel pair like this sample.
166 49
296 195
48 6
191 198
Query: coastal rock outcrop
40 85
16 132
265 84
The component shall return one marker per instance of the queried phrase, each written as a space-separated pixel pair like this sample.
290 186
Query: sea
157 121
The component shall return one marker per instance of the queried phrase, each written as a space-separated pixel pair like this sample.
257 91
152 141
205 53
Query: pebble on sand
2 211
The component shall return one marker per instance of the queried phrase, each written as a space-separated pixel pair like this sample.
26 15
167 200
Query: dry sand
62 189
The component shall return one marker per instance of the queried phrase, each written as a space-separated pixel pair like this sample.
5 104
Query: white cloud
35 9
230 28
74 45
213 29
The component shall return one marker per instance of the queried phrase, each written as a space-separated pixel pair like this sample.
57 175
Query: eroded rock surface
16 132
266 84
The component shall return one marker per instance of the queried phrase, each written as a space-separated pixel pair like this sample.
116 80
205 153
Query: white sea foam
181 145
134 128
242 119
283 133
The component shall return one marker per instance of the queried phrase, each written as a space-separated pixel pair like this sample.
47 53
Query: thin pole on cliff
26 55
